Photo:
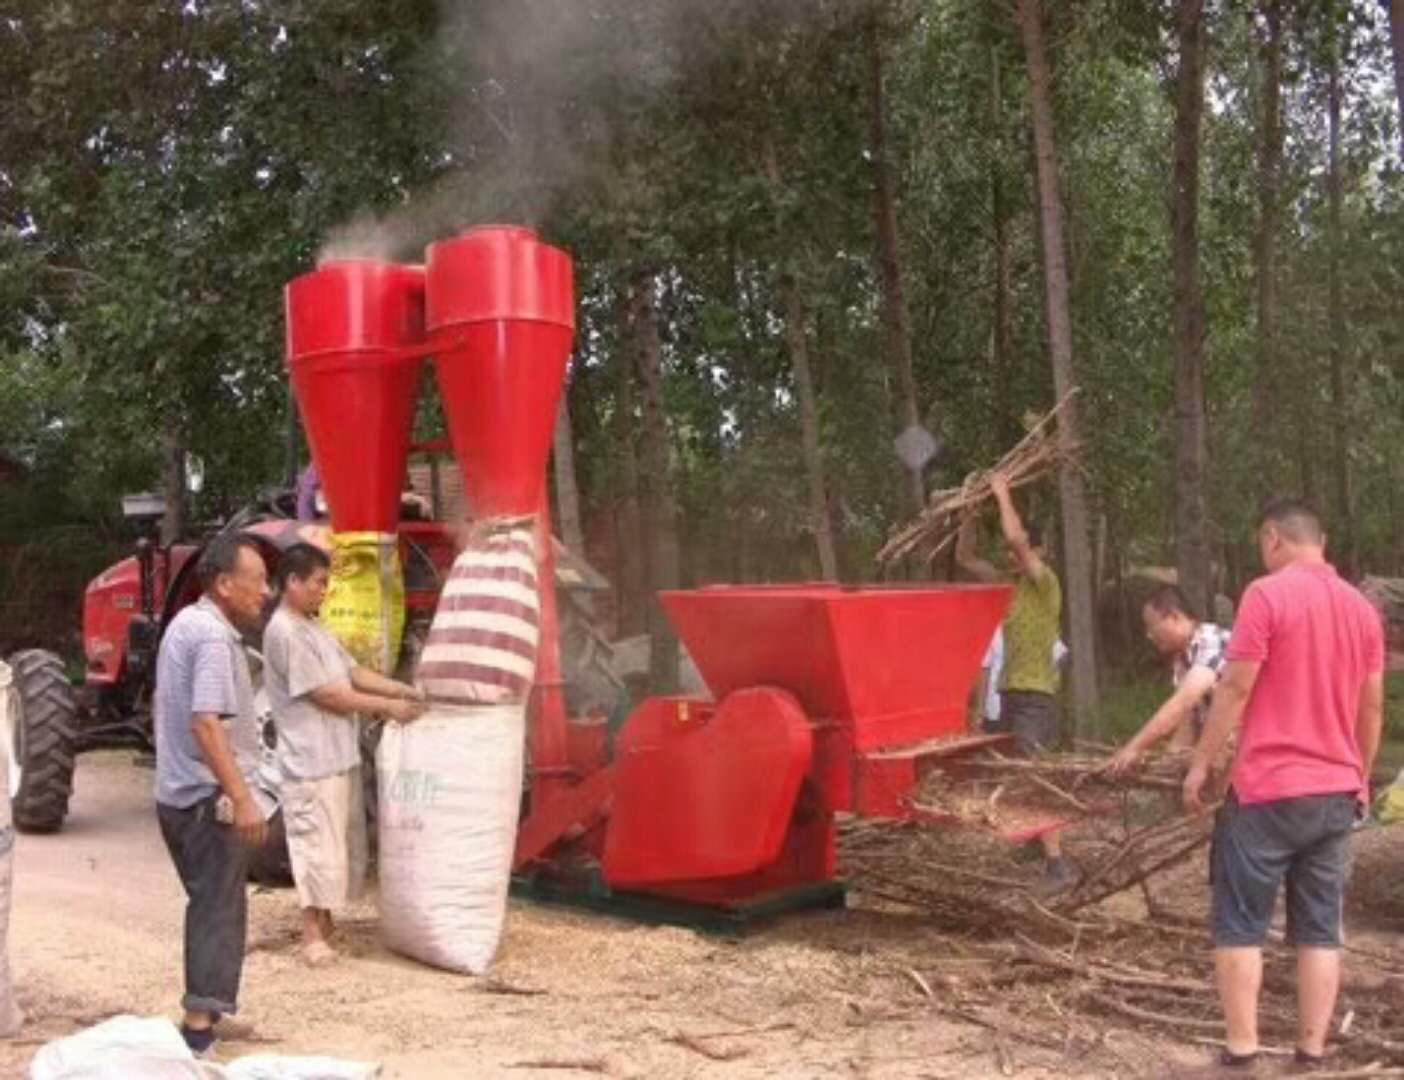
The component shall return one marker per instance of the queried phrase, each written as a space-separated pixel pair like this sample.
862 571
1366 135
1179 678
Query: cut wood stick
1170 860
1265 1051
501 986
733 1033
594 1065
1071 800
922 984
697 1046
1179 1023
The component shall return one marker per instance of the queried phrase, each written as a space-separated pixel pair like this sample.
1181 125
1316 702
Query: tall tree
1002 332
1343 527
631 568
895 319
797 341
1077 559
1270 145
1396 37
660 500
567 488
1191 452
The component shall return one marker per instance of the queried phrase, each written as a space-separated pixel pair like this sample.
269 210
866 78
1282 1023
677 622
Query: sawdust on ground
96 932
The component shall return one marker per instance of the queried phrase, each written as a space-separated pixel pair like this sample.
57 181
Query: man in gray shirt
209 818
317 692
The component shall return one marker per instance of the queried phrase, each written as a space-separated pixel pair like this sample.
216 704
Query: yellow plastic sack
365 603
1389 805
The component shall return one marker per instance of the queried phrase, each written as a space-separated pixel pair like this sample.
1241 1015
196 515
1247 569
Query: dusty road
96 931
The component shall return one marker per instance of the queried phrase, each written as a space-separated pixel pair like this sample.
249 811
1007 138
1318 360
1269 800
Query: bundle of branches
1040 452
1125 830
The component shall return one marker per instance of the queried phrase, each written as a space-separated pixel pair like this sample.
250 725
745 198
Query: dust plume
545 95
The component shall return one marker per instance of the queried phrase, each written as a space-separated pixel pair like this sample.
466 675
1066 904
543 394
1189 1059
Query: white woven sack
10 1016
450 790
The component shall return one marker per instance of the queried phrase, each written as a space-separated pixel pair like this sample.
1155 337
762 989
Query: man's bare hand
1124 760
999 484
249 823
1193 790
402 712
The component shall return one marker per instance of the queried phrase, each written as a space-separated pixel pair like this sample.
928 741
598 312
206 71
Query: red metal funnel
501 319
356 392
893 665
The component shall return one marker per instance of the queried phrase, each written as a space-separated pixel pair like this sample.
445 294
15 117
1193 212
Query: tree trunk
660 506
1343 523
631 559
797 340
1191 449
895 318
1003 329
173 480
1078 587
567 490
1396 35
1269 180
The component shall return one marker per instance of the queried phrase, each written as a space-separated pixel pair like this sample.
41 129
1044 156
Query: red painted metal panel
705 791
893 665
346 324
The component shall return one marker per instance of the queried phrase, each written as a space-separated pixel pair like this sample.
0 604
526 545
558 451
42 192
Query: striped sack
482 642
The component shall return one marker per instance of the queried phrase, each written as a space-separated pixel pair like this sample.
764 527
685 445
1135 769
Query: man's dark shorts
1304 841
1032 717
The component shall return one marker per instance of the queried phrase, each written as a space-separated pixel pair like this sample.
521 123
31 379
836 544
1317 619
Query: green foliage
168 167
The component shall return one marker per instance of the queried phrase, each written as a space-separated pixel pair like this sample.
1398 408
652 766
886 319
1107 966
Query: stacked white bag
451 781
10 1016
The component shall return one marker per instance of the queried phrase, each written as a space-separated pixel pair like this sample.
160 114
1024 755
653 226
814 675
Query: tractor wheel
43 740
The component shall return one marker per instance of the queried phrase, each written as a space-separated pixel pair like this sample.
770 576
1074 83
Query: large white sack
450 790
10 1016
119 1049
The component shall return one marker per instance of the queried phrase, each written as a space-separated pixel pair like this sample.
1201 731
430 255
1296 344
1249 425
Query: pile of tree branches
1040 452
1073 959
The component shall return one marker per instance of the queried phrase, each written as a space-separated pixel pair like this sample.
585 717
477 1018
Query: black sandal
1230 1060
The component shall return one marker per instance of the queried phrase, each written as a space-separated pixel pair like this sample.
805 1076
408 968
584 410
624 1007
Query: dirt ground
96 931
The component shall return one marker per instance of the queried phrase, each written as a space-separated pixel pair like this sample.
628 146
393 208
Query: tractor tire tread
48 710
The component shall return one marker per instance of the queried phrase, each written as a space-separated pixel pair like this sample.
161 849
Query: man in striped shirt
1198 652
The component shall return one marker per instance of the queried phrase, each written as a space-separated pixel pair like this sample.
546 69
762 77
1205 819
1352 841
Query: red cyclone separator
500 312
349 323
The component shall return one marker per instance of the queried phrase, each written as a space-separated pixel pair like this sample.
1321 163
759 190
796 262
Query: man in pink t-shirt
1305 679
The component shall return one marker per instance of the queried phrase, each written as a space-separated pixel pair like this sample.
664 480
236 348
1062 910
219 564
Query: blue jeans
213 866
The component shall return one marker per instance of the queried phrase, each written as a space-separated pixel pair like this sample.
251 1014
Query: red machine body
828 699
824 699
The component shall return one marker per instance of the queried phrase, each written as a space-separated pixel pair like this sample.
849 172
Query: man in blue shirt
209 818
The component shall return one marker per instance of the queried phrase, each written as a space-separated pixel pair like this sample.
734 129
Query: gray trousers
213 865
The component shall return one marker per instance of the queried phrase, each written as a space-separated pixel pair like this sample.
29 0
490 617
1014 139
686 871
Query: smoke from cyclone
540 92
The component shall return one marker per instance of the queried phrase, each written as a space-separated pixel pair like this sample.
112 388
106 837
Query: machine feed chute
501 320
351 331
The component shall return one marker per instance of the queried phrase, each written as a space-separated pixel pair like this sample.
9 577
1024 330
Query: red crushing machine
824 699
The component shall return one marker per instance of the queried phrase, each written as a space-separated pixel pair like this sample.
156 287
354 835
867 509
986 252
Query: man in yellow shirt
1029 682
